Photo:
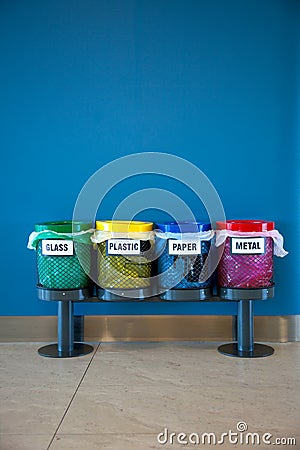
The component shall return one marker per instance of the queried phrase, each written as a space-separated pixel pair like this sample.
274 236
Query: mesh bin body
121 272
178 265
62 272
65 271
124 271
247 271
192 266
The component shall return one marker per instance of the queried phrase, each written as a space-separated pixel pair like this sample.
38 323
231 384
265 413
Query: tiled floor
124 394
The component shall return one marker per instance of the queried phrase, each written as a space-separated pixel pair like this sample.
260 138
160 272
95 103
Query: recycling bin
247 259
181 264
57 246
124 262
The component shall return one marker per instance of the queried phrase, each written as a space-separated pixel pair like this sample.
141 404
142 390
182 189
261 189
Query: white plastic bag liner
221 236
200 235
35 236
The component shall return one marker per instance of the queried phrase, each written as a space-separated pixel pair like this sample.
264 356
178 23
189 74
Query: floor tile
130 392
21 364
33 410
141 442
22 442
106 441
137 364
35 391
148 409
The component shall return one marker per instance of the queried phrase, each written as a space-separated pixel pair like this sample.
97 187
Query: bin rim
63 226
246 225
183 226
124 226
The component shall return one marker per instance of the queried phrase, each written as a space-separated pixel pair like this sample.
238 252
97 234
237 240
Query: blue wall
84 82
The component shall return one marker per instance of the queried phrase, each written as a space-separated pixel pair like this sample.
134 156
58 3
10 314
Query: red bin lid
246 225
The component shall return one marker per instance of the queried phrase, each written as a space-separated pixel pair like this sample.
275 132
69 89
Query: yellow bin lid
123 226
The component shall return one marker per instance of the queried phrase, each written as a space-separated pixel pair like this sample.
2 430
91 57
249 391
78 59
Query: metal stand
65 347
186 295
245 346
125 295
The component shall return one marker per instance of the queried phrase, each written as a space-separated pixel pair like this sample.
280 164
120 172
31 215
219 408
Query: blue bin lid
183 227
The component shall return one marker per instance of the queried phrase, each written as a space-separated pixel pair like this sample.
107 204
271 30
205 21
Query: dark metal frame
65 347
243 348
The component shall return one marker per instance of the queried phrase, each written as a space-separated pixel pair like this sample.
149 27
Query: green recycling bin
57 246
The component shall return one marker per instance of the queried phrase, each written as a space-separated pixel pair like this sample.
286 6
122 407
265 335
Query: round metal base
51 351
259 351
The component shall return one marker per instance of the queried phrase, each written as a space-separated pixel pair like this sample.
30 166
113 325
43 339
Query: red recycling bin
247 259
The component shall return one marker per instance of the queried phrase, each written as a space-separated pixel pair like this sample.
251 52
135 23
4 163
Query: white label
57 247
184 247
248 246
123 247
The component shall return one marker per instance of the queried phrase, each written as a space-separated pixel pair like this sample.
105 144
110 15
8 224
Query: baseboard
150 328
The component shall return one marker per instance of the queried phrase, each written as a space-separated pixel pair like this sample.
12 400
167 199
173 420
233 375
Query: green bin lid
63 226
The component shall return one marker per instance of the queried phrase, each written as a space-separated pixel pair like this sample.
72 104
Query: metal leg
245 326
245 346
66 347
65 327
